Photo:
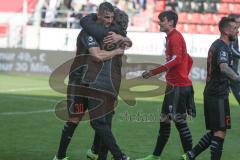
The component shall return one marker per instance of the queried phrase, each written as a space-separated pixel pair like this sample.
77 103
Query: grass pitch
29 129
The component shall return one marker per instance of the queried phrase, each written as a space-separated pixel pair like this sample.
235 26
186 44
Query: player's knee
220 134
165 118
98 123
180 125
75 120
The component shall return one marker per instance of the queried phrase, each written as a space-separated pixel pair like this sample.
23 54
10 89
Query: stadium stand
17 5
180 27
195 16
236 8
200 16
225 8
207 18
160 5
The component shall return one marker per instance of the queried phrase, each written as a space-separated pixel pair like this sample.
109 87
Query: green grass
35 136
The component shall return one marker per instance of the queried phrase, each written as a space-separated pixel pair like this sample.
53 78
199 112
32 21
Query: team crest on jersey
91 41
223 54
90 38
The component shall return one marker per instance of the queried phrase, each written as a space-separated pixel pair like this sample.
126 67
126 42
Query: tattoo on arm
229 72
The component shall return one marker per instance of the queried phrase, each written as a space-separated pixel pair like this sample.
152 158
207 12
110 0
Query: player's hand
147 74
112 37
238 78
192 112
119 51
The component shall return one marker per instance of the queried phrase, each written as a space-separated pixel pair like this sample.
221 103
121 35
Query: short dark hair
170 15
234 16
105 7
121 18
224 23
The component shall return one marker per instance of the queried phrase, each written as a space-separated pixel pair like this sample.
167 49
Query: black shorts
99 103
177 103
217 113
76 106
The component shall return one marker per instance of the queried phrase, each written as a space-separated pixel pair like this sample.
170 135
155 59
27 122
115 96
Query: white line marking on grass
26 113
25 89
35 98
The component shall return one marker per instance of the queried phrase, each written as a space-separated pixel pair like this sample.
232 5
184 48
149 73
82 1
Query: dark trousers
99 146
104 136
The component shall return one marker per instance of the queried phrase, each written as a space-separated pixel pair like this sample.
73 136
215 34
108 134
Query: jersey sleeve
177 53
222 56
89 41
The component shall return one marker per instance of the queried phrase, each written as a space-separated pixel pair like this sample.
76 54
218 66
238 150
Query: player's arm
222 61
112 37
229 71
94 49
102 55
175 60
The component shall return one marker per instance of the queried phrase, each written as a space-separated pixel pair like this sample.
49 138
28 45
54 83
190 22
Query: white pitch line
36 98
25 89
26 113
29 98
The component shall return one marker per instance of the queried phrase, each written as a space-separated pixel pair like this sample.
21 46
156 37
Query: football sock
67 133
164 133
216 148
185 135
202 145
96 144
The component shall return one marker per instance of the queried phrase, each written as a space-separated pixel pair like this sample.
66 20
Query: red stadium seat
152 27
191 28
3 29
139 21
194 18
180 27
214 29
236 8
17 5
224 8
160 6
204 29
218 17
183 17
155 17
208 18
228 1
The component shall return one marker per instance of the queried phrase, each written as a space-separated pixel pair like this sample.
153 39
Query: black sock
103 151
96 144
185 135
202 145
67 133
216 148
164 133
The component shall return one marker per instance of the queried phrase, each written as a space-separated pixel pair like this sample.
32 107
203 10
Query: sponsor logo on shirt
90 38
91 41
223 56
